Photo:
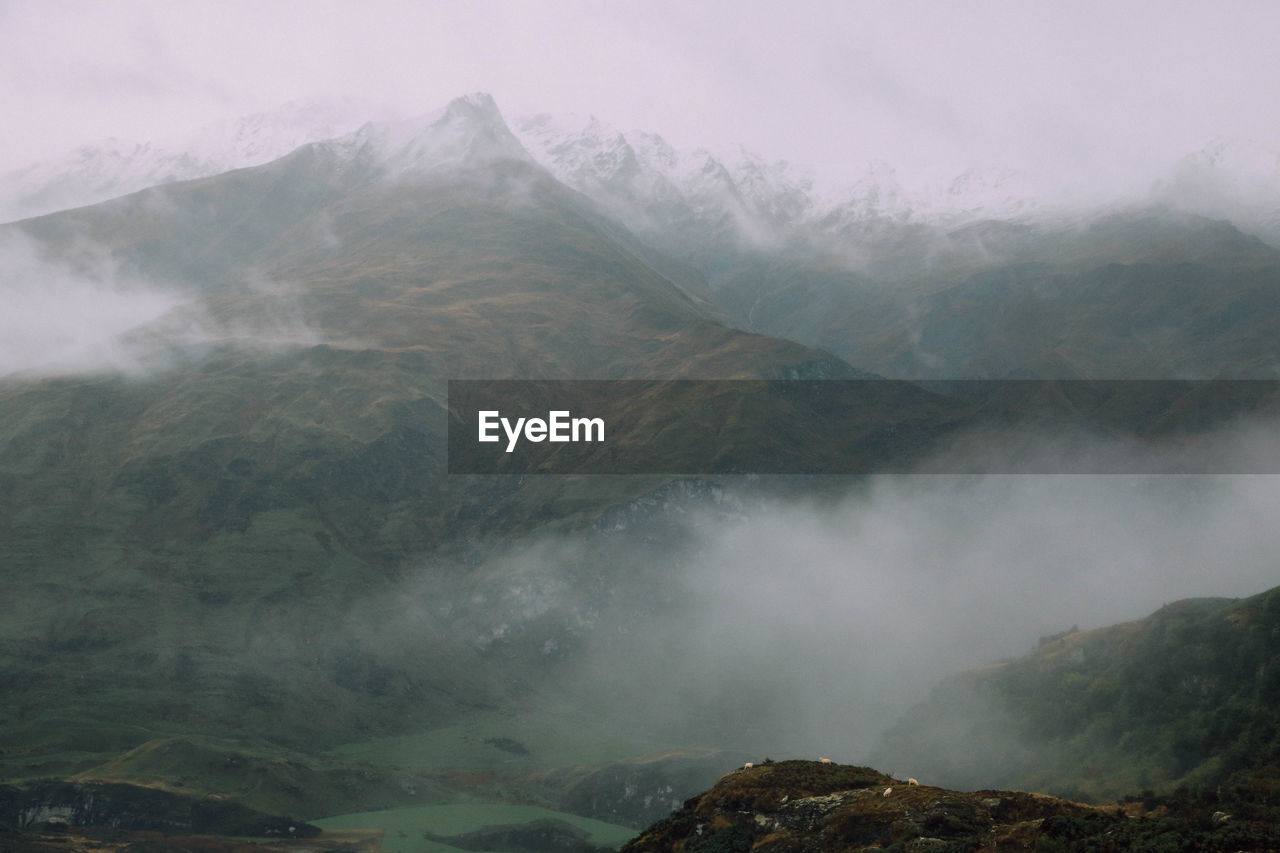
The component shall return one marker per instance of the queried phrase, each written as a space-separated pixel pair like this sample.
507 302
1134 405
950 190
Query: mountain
1139 294
872 271
116 167
738 196
236 564
884 276
1133 294
637 176
1231 178
1185 697
655 188
451 197
245 551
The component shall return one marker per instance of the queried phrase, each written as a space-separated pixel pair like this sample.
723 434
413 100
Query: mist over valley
235 563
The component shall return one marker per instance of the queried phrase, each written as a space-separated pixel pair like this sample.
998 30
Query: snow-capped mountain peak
115 167
650 184
1230 178
981 193
266 136
640 178
467 132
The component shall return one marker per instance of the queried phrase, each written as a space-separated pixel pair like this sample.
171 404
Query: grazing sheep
888 791
748 765
912 782
824 760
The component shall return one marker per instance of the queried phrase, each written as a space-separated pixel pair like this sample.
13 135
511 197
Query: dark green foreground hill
1187 697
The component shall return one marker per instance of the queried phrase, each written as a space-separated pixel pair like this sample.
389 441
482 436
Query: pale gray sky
1099 87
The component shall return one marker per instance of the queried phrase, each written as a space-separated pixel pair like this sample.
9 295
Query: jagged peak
480 105
1238 150
1230 177
468 132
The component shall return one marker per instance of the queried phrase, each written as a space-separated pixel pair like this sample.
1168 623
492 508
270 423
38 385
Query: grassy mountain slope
1187 696
246 540
1146 294
241 569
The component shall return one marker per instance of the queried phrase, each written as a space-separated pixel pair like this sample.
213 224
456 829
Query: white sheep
912 782
824 760
888 791
748 765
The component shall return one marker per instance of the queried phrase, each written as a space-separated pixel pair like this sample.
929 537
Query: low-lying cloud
789 627
65 317
81 312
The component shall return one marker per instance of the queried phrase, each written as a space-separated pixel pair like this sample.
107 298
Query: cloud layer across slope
805 628
81 312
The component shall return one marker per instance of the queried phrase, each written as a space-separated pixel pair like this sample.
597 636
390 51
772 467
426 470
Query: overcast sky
1099 87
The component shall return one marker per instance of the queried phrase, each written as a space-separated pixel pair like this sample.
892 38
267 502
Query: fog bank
798 628
79 311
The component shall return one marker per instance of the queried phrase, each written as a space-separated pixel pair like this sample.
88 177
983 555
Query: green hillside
1133 294
237 567
1187 697
251 539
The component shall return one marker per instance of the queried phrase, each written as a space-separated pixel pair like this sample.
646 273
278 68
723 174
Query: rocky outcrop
812 807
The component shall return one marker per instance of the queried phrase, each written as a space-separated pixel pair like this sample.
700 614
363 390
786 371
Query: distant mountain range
251 536
875 274
649 184
234 561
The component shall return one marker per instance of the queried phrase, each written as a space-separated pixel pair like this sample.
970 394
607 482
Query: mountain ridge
635 172
173 538
252 538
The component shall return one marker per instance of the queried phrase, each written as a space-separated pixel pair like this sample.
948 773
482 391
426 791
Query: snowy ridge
469 132
638 181
650 185
263 137
1231 178
689 194
116 167
654 187
987 193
